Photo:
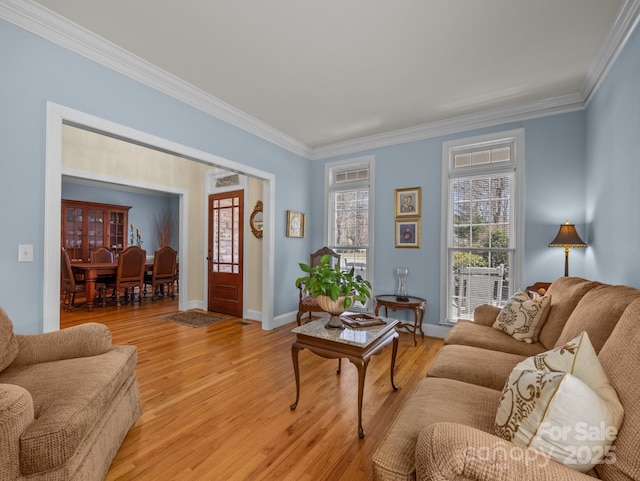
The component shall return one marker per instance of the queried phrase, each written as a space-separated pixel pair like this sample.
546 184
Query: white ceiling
329 71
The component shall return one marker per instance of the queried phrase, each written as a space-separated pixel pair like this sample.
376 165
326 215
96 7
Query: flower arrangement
135 238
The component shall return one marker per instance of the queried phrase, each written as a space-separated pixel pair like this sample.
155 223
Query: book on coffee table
361 319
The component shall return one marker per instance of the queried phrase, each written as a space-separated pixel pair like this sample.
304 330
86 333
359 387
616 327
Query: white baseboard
195 305
253 315
284 319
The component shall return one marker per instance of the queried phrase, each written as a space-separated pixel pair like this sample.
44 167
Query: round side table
415 304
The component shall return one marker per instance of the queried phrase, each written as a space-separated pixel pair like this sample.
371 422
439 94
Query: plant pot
334 308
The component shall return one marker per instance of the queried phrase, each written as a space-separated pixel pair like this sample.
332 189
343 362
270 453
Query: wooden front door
226 221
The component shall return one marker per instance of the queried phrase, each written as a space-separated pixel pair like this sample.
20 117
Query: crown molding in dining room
50 26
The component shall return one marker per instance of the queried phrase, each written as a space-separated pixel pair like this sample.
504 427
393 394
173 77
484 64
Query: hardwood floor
216 401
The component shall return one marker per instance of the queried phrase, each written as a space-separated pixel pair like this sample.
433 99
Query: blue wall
581 166
554 191
613 171
35 71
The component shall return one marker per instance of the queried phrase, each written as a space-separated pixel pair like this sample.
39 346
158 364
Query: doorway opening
57 116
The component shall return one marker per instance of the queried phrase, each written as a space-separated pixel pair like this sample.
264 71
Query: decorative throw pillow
522 318
561 403
8 341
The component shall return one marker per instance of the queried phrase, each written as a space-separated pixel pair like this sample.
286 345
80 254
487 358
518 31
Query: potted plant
334 289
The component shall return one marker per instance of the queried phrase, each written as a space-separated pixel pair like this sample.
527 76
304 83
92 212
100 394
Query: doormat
196 318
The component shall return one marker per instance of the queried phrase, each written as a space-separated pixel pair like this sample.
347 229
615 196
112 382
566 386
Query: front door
226 221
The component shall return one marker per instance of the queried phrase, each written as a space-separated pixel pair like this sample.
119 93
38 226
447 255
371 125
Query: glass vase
401 295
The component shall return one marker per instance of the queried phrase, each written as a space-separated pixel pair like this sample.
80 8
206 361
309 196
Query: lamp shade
567 237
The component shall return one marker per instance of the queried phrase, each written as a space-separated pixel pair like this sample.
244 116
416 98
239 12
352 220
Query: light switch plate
25 253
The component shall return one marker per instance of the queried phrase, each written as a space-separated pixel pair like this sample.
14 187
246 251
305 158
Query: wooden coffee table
355 344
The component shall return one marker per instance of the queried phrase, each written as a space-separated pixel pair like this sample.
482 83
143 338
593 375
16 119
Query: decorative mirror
255 221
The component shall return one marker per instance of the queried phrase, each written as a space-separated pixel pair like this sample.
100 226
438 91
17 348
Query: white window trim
448 150
365 161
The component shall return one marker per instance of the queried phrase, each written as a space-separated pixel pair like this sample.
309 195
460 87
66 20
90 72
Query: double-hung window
349 213
482 222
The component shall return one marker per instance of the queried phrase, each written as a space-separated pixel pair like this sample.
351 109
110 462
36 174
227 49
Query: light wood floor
216 401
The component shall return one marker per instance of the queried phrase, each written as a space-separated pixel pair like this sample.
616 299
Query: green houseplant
335 290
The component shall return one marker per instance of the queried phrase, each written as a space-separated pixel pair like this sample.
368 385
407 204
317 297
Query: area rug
197 318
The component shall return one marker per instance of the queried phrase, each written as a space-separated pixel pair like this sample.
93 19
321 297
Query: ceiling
333 71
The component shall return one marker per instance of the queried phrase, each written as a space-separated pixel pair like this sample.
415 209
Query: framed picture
295 224
408 233
408 202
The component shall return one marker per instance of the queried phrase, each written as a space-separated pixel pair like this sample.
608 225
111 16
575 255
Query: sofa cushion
522 317
8 341
565 294
620 358
561 403
598 313
474 365
434 400
468 333
69 396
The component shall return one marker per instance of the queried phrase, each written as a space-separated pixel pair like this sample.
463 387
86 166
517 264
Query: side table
415 304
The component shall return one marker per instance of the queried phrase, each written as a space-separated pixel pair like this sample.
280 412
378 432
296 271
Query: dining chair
306 302
129 275
164 272
103 254
70 285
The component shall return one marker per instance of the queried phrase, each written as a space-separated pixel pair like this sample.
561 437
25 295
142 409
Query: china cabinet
89 225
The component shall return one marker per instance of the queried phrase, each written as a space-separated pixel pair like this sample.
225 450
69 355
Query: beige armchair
67 400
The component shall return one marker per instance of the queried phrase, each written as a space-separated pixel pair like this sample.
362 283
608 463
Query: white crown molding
50 26
54 28
625 23
627 20
487 118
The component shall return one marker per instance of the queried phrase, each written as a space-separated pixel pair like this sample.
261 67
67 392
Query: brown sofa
67 400
452 412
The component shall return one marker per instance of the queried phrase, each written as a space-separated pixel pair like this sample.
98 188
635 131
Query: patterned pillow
522 318
561 403
8 341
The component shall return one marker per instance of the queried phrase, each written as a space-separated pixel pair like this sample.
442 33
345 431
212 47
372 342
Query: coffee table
355 344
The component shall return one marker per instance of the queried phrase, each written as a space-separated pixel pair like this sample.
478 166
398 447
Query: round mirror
256 220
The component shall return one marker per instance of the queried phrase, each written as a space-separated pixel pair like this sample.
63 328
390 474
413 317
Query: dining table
91 271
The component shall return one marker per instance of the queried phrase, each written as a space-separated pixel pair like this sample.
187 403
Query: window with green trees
480 226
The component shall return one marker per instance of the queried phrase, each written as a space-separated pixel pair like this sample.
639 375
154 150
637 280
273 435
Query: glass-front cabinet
88 225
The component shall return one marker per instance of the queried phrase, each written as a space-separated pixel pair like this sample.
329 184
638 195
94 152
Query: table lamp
567 237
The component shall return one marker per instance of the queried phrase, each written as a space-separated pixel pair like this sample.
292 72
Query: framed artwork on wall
408 233
295 224
408 202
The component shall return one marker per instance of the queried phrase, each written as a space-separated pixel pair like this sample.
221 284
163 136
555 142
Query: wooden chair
164 272
130 274
102 254
70 285
306 302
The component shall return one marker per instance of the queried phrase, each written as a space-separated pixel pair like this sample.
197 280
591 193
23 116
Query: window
348 216
482 222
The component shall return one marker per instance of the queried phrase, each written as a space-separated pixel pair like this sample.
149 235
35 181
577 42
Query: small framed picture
295 224
408 233
408 202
